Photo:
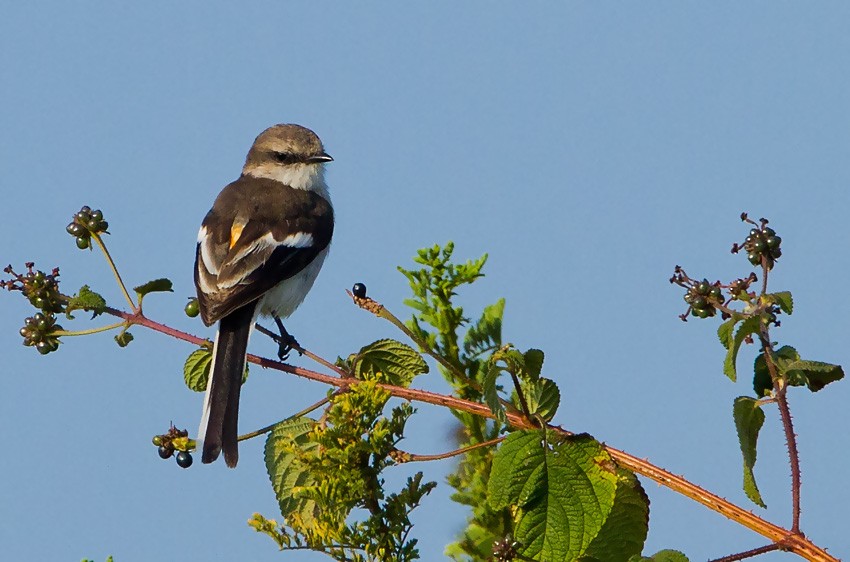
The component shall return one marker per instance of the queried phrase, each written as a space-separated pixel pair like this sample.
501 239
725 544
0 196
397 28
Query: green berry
82 242
704 287
157 440
192 308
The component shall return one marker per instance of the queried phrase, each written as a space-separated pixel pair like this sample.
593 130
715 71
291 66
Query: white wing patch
206 251
263 246
298 240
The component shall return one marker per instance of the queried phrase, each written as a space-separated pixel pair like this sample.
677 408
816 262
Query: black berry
184 459
359 290
165 452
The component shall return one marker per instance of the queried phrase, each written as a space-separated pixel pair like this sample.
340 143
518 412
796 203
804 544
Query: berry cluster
762 243
42 290
505 550
38 331
175 440
703 298
86 222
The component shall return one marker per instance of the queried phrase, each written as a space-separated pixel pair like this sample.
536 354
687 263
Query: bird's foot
286 341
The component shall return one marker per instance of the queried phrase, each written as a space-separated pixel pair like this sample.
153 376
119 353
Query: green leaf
797 372
162 285
123 339
662 556
624 532
783 300
725 331
486 334
748 327
749 419
286 472
762 383
543 398
196 369
816 373
563 489
491 393
388 361
533 363
86 299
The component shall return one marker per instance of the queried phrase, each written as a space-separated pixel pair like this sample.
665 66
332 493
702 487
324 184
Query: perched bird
259 251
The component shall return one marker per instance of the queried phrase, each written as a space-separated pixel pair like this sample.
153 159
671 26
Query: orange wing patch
236 232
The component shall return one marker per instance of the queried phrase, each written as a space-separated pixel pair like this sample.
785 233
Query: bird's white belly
286 296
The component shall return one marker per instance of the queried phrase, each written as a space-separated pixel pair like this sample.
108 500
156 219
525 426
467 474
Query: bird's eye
284 157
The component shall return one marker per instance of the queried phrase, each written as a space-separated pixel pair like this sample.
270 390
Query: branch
792 541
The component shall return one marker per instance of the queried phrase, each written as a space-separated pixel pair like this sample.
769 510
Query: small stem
65 333
521 397
749 553
268 428
381 311
779 390
96 237
411 457
303 351
765 270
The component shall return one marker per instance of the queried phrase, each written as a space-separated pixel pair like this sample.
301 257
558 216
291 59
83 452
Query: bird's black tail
219 421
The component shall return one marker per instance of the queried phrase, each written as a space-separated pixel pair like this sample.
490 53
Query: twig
96 237
296 415
412 457
748 553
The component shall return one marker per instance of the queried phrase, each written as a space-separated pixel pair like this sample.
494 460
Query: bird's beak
320 158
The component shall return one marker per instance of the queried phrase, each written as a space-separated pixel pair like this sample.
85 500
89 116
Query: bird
259 251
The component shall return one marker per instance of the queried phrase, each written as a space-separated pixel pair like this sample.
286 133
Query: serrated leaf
783 300
816 373
726 330
662 556
563 489
748 327
762 382
388 361
86 299
162 285
196 370
543 398
533 362
486 334
285 471
749 419
491 393
624 532
511 358
123 339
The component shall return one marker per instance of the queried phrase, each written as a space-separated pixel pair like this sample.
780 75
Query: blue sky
587 147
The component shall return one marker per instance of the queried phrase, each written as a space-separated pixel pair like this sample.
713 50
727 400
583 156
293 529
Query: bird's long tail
219 420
